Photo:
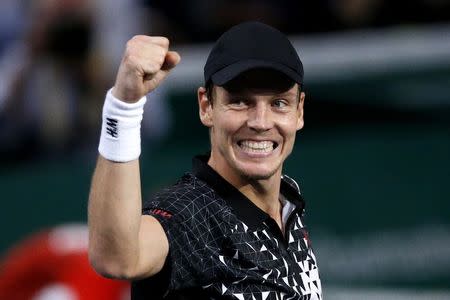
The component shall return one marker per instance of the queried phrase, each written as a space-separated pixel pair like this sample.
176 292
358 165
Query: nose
259 117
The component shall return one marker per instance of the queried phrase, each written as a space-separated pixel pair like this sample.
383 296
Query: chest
267 248
263 260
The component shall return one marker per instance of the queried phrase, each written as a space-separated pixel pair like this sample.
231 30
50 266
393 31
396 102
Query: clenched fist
145 63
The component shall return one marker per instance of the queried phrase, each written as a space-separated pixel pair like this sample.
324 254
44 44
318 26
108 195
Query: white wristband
120 139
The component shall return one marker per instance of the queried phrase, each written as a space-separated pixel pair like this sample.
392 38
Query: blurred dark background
373 159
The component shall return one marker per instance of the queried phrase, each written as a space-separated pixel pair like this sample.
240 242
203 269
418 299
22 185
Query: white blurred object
56 292
69 238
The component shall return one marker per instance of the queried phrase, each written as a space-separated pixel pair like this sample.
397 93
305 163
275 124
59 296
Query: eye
279 103
238 102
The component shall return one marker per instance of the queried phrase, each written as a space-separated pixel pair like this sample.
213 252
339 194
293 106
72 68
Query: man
233 228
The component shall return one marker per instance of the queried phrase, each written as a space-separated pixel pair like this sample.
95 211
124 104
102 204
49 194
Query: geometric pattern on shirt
213 250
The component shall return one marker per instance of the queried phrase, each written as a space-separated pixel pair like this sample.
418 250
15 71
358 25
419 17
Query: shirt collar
243 207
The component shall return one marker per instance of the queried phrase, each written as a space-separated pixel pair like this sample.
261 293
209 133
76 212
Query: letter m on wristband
111 127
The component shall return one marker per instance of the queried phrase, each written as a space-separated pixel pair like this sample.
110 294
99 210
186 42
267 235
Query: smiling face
253 121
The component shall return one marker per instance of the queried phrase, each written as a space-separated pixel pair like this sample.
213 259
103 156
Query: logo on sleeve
162 213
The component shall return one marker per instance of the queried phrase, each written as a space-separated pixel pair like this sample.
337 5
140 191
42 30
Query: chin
252 175
255 177
255 166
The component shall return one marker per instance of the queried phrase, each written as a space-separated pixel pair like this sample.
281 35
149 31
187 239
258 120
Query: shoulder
187 196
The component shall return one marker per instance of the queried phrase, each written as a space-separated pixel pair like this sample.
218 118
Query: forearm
122 243
114 214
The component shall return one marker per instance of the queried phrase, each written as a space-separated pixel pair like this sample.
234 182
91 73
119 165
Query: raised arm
123 243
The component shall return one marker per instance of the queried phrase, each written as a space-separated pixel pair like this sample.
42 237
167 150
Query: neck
264 194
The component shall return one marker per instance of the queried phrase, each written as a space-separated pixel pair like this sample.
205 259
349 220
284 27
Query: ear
204 107
300 120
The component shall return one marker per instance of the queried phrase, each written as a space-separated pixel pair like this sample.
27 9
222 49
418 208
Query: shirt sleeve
185 224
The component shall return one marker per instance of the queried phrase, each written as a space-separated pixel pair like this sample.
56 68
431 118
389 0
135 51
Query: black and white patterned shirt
222 246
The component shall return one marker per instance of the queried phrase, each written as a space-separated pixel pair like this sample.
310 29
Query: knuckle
161 56
137 37
164 42
161 41
135 40
130 46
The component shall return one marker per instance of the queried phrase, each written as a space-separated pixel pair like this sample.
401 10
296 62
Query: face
253 123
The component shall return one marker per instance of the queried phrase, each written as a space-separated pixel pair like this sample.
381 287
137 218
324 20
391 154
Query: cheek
228 123
289 126
223 128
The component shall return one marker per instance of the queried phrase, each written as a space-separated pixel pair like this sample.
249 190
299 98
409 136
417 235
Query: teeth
257 147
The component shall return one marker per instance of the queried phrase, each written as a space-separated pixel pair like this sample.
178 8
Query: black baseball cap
252 45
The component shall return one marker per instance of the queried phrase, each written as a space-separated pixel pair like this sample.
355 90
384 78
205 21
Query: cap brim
228 73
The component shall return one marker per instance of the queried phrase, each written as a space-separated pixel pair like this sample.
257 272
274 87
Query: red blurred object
54 265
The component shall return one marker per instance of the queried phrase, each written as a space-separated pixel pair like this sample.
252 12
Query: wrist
120 138
125 96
